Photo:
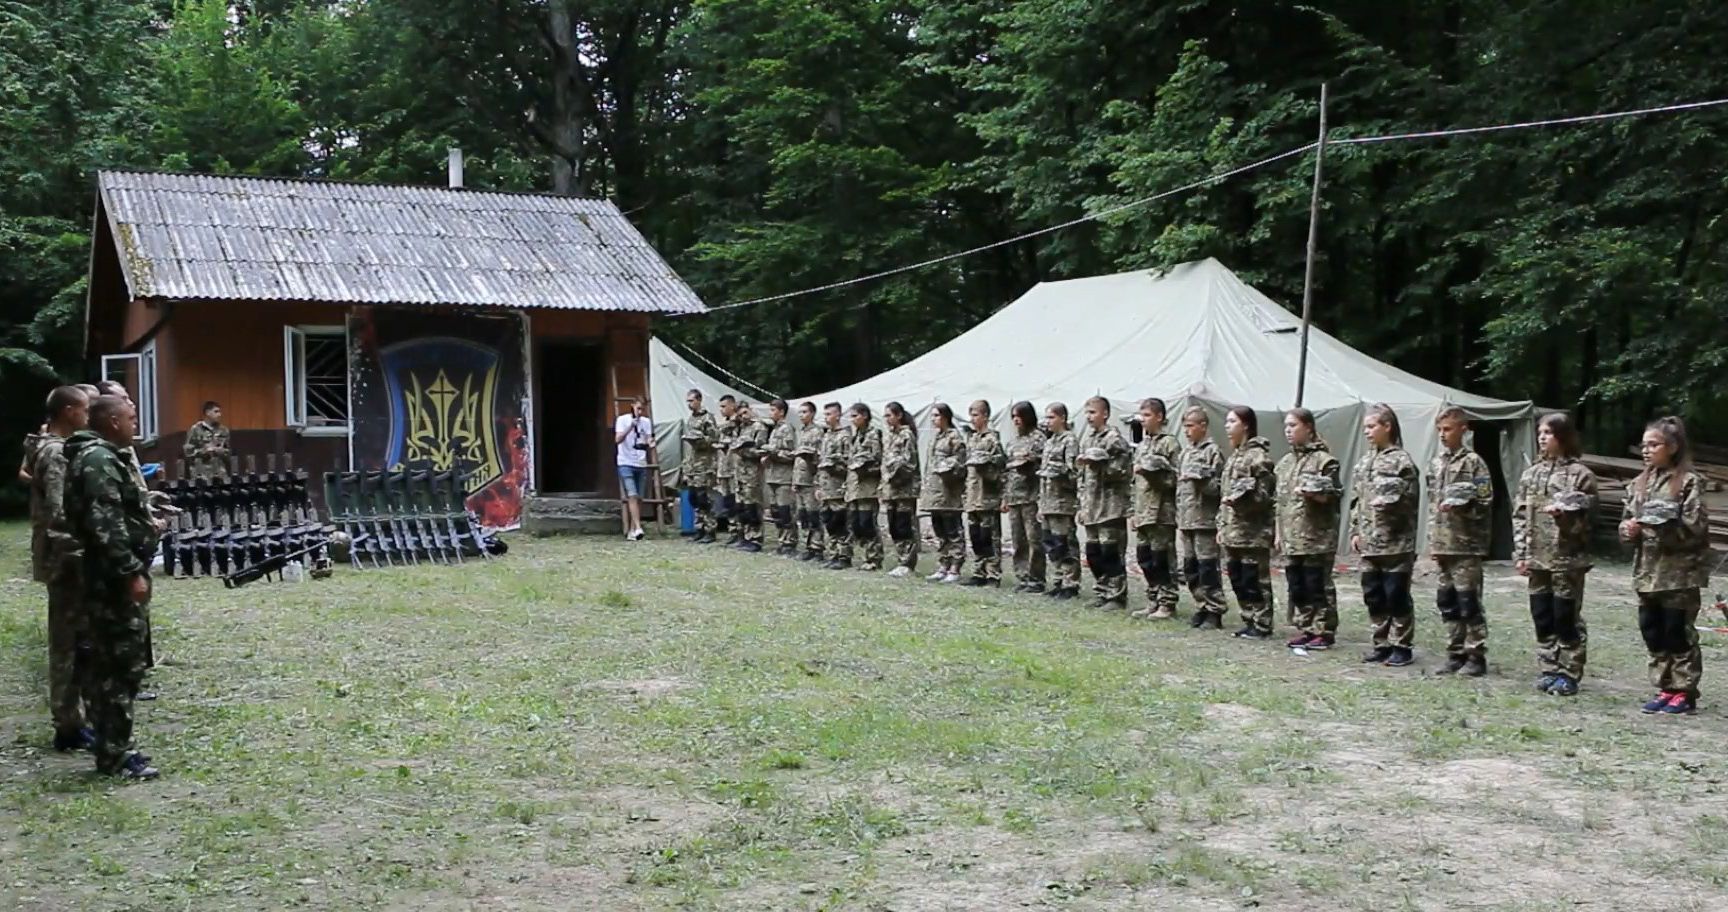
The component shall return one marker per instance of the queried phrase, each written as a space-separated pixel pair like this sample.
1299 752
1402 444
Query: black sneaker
1063 595
750 547
1020 586
809 556
1250 632
1475 667
979 581
81 740
1454 665
1400 657
1033 588
1377 656
1199 619
1565 686
839 564
137 768
1109 604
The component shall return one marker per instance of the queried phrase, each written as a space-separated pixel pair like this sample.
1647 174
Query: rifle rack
406 517
223 526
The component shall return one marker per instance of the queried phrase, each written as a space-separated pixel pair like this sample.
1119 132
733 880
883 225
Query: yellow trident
449 426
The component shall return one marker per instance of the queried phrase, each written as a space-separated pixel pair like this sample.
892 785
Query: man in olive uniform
1058 500
130 455
804 477
57 561
1461 492
726 471
781 455
1104 460
1198 497
985 459
696 469
832 465
1020 496
207 448
112 523
749 448
1154 517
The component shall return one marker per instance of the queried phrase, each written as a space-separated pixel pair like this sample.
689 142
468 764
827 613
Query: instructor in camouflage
1666 524
207 445
57 560
1551 546
1461 498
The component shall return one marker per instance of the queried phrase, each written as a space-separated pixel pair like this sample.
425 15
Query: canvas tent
670 376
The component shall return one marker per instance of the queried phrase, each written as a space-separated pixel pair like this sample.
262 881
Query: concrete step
571 514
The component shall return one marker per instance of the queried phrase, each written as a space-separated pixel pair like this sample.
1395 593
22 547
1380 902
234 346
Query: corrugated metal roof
191 236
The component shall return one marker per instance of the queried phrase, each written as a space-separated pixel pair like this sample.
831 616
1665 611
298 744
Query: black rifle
398 487
446 502
273 564
390 491
365 521
382 529
421 498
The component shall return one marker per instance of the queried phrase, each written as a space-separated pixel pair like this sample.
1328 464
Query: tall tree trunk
566 127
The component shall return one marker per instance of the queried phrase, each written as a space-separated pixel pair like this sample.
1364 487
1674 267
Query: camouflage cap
1195 469
1239 489
1097 454
944 466
1388 490
1157 463
1658 512
977 458
1458 494
1572 501
1316 483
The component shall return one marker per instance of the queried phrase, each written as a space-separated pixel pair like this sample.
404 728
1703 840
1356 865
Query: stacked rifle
223 527
406 517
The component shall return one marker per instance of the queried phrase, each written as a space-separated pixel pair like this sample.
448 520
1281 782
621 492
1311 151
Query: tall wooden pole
1313 240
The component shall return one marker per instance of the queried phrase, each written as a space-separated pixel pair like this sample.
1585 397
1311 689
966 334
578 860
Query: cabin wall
231 353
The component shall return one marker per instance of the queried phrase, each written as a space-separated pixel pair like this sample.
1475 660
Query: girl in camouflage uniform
1020 498
1551 546
1245 520
864 488
900 487
1307 535
1197 500
985 459
1666 524
1154 517
944 494
1383 514
1058 499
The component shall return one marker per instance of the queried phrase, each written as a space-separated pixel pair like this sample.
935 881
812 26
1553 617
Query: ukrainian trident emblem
441 416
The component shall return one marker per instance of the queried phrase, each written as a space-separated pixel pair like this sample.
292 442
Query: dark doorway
1487 439
567 410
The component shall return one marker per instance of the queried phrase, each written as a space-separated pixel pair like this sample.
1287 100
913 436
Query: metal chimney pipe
455 169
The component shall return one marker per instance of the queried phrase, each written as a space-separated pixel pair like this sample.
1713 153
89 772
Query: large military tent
670 377
1191 335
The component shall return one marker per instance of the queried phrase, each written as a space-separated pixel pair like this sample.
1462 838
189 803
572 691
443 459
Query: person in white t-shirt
634 433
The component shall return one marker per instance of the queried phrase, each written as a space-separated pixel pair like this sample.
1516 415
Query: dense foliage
771 145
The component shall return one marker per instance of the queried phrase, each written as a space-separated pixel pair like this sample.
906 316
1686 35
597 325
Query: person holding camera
634 433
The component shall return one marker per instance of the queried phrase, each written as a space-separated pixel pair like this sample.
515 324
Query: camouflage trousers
1557 615
65 610
1155 552
1106 554
1027 534
1459 597
780 500
111 662
1386 593
861 520
747 515
902 520
1667 621
838 537
1198 551
950 530
809 509
702 503
1313 597
1250 573
1062 551
984 528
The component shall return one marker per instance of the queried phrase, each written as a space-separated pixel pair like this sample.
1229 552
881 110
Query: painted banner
441 392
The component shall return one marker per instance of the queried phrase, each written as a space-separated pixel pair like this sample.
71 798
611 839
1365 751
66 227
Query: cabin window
315 378
137 372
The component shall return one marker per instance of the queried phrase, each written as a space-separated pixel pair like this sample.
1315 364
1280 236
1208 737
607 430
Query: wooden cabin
373 327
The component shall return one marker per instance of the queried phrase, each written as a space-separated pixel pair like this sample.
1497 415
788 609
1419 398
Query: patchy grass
608 725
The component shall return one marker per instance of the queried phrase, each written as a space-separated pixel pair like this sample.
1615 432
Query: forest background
766 146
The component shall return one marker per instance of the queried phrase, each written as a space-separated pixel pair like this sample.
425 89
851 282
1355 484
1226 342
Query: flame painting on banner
444 392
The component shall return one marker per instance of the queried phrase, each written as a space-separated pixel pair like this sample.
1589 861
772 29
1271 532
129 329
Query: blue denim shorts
633 479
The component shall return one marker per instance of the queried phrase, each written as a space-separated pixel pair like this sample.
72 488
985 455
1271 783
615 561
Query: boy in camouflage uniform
831 486
1058 501
985 459
1461 495
1551 546
1154 517
900 483
57 560
696 468
804 475
749 449
864 488
1025 449
1309 493
1383 531
782 453
1666 523
726 471
944 495
113 525
1104 459
1197 501
206 448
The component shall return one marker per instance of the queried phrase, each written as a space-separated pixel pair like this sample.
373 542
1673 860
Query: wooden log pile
1614 475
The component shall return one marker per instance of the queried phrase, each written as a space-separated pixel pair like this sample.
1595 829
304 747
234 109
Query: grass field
611 726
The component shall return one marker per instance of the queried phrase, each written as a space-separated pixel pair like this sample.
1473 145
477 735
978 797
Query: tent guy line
1215 178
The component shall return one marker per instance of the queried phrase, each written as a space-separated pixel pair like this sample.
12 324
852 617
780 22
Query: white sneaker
635 536
937 577
899 571
951 578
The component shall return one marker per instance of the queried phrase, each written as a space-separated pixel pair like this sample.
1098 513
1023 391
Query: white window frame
142 388
294 380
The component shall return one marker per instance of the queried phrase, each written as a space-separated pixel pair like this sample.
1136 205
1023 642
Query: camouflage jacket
1548 542
1103 485
1246 513
1465 530
31 442
984 461
726 461
1198 477
1155 481
1059 495
809 449
748 448
864 465
206 450
945 482
900 479
52 545
782 451
1387 528
1675 554
107 511
1025 452
701 437
831 464
1308 526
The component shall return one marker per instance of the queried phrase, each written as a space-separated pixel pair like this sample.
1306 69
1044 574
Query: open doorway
1488 438
570 389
